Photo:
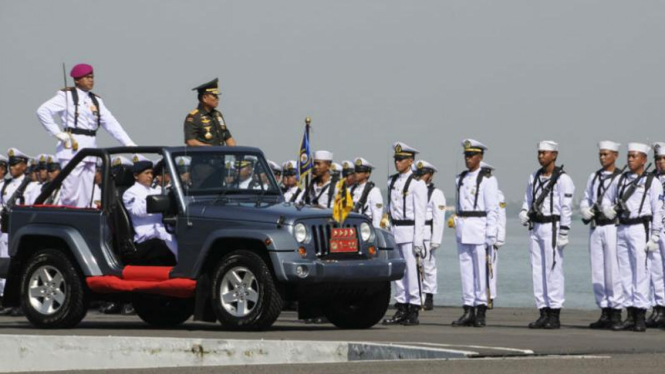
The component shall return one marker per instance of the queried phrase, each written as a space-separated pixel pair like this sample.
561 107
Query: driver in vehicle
154 245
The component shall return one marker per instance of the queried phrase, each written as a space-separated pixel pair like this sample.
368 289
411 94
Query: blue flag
305 160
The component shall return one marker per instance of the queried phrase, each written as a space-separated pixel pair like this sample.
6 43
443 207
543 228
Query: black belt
471 213
404 222
635 221
78 131
429 222
604 221
545 219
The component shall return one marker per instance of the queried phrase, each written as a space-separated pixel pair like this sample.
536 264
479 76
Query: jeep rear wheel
52 291
244 296
361 312
163 311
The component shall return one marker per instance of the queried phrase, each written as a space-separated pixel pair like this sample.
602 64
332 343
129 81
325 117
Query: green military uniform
206 127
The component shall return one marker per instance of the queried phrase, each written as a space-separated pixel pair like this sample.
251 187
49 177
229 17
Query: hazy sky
429 73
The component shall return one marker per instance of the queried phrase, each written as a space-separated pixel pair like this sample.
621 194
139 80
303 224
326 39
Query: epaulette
193 112
487 172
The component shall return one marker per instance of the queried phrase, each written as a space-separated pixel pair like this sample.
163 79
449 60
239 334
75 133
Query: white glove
499 244
434 246
652 244
562 241
524 218
587 213
63 137
419 251
609 212
490 241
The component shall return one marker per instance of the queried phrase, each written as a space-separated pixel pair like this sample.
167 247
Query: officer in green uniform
204 126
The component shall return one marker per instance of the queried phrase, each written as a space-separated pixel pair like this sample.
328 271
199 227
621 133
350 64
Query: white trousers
76 189
473 269
548 279
4 253
657 270
634 265
605 275
406 289
429 263
495 265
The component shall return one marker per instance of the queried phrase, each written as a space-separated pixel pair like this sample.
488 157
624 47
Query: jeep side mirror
158 204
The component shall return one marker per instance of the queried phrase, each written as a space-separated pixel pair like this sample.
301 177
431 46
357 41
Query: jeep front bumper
374 270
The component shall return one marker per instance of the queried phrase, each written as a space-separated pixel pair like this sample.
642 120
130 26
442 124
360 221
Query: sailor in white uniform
366 195
500 238
636 198
407 199
434 222
3 168
321 191
547 210
276 171
657 317
290 181
82 113
349 173
605 276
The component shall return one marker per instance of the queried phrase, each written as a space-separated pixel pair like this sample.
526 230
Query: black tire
358 312
261 313
163 311
68 298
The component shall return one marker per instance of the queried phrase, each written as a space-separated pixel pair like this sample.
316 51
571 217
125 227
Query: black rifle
9 205
595 208
621 207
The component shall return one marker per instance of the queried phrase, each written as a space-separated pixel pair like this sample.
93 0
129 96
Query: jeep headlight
300 232
365 231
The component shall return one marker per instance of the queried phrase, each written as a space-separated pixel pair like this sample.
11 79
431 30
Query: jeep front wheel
358 312
244 296
52 291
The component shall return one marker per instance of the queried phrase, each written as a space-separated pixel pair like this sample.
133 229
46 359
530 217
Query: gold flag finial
308 121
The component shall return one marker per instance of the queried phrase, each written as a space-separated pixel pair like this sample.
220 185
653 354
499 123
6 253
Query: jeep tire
359 312
163 311
244 295
53 294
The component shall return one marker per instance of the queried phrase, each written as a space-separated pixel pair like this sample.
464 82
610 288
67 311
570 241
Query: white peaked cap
323 156
361 162
402 149
609 145
274 166
548 145
473 145
121 160
335 167
347 164
639 147
289 165
659 148
422 164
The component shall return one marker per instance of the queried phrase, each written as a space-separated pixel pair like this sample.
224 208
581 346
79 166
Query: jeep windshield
224 173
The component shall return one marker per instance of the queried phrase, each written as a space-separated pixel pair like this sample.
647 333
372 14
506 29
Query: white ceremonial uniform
546 255
500 241
290 193
146 226
32 192
409 234
658 261
473 233
97 195
7 192
373 207
77 187
605 275
319 195
434 223
633 233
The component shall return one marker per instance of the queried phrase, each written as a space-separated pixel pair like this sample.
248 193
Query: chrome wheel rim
239 292
47 290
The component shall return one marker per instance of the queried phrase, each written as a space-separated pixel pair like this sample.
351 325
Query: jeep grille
321 235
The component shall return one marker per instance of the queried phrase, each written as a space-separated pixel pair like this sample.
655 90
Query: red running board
148 279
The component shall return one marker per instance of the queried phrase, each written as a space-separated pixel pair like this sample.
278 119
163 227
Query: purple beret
81 70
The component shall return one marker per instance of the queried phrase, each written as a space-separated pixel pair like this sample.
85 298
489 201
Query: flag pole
308 122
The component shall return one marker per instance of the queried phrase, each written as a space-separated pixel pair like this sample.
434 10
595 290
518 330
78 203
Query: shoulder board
486 172
67 89
193 112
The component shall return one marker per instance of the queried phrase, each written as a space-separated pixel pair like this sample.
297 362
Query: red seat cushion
146 273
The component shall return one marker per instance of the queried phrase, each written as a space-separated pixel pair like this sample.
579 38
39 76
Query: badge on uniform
442 207
502 205
379 206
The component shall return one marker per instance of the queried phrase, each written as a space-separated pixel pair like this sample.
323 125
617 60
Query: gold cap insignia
117 161
136 159
420 165
50 160
359 162
42 158
181 162
333 167
11 153
398 148
467 144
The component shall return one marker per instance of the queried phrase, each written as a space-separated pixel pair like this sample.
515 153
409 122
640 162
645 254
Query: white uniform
320 195
546 255
658 263
76 189
500 241
434 223
475 233
290 193
633 234
7 187
605 275
373 207
146 226
408 227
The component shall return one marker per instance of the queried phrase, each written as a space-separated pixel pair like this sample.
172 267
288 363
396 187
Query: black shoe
604 320
660 320
6 311
16 312
128 310
629 323
467 319
552 322
111 308
640 324
429 302
399 315
540 322
615 319
656 317
480 316
411 318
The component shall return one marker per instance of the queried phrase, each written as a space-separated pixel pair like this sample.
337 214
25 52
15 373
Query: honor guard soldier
605 276
321 190
290 181
53 169
276 171
82 113
657 317
407 206
636 198
500 241
547 210
367 197
3 168
335 170
475 224
434 222
205 126
154 245
35 188
349 173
